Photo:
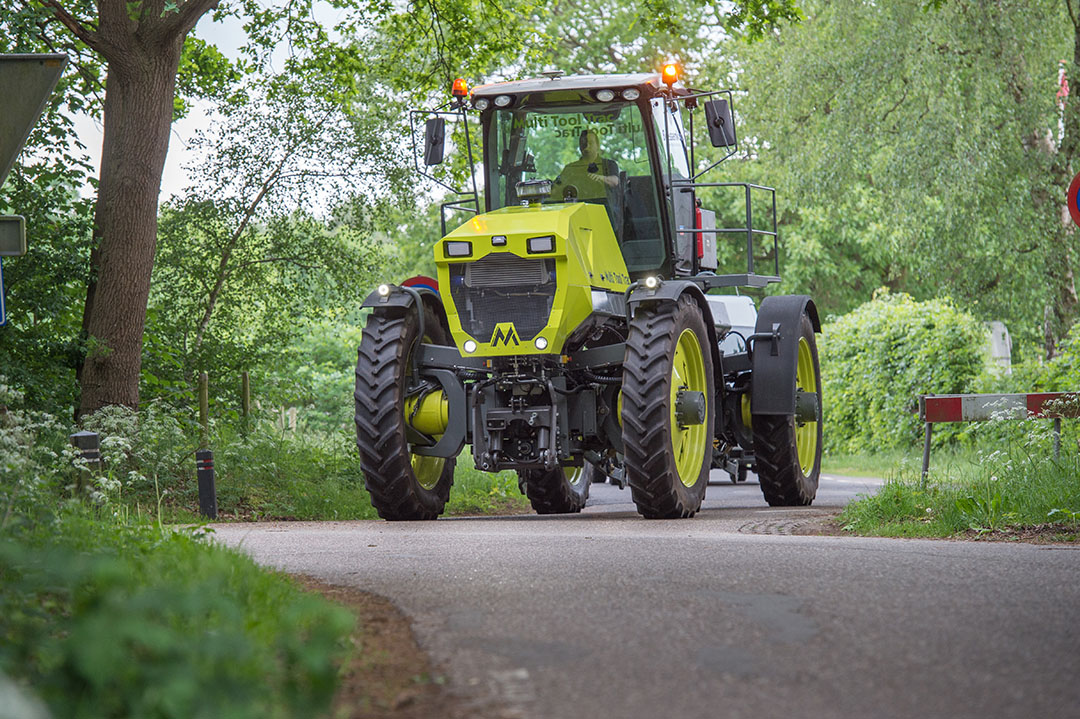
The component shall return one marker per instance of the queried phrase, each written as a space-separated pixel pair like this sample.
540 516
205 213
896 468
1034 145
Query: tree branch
92 39
291 260
223 265
186 16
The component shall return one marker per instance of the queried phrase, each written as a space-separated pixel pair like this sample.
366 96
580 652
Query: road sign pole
926 452
1057 438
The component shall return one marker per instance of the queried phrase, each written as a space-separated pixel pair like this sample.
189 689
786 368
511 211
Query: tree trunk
1061 312
138 116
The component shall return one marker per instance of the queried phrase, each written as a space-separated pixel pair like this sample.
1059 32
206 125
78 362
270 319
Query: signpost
26 81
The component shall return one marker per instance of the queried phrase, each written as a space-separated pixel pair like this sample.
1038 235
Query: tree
141 43
946 119
243 260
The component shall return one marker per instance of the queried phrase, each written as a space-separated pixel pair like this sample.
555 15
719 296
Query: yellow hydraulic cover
498 293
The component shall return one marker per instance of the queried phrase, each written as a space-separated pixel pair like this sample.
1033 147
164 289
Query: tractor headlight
541 343
469 346
482 104
384 290
631 93
652 282
503 101
528 189
537 245
458 248
605 95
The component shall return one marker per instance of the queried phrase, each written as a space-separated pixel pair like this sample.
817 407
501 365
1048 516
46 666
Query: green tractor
579 330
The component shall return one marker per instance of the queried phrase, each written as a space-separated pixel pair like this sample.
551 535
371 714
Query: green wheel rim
688 373
806 434
427 470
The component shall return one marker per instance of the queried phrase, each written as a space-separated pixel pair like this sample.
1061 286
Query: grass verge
101 618
1018 492
263 472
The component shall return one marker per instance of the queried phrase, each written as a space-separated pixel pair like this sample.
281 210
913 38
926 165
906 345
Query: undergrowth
1017 484
262 470
106 612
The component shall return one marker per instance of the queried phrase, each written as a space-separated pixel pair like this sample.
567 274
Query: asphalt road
725 615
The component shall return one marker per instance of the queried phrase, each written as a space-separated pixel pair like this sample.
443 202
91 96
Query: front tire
403 485
667 464
787 452
563 490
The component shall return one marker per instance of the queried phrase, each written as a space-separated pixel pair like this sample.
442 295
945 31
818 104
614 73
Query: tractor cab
617 141
588 149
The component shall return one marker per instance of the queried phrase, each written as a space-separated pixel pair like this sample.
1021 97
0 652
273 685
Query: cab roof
648 82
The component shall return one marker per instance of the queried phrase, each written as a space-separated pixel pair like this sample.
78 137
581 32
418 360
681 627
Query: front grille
505 270
503 287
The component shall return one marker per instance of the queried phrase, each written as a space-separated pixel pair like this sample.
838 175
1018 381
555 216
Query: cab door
674 167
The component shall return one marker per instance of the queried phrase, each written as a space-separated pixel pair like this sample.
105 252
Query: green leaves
916 149
104 622
877 359
983 513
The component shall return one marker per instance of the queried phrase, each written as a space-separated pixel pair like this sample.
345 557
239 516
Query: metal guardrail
983 407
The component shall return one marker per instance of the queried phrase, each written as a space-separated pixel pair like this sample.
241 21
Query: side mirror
434 140
721 125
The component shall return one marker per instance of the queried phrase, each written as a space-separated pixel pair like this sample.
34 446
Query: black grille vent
503 287
505 270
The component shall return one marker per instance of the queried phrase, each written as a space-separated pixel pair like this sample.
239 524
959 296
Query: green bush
105 614
1033 373
102 619
878 358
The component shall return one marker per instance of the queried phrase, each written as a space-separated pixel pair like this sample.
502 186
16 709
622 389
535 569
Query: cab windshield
591 152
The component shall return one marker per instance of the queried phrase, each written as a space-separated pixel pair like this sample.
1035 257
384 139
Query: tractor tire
563 490
667 464
787 453
403 486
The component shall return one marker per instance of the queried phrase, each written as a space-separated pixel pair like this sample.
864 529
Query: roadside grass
881 464
1017 489
476 492
894 463
262 471
106 616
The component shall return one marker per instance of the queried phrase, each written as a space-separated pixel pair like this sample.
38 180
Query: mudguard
776 350
401 299
671 291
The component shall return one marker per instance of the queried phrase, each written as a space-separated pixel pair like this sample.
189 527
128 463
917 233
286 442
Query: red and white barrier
982 407
978 407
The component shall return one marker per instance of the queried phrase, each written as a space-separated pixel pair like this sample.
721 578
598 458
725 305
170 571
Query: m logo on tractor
505 333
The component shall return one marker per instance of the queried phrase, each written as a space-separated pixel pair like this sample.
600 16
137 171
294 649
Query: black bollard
204 465
89 446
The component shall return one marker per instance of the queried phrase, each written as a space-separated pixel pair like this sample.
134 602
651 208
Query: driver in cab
590 177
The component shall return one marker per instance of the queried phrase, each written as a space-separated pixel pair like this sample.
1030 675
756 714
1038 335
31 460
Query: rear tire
563 490
667 465
403 486
788 454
